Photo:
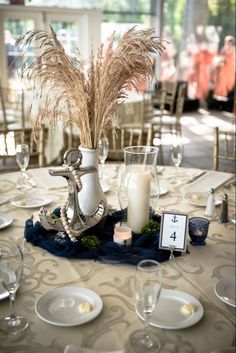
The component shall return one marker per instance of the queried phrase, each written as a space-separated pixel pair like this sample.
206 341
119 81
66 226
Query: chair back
11 107
180 105
170 89
9 138
224 150
125 136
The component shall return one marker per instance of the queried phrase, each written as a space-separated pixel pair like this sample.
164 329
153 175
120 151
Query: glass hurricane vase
139 187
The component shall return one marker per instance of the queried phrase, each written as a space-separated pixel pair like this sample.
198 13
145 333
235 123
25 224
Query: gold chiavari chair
125 136
11 106
15 130
224 150
170 123
168 91
10 138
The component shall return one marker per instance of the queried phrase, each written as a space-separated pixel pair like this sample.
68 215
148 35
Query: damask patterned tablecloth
195 273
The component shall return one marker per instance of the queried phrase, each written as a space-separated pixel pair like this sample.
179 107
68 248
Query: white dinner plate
60 306
5 220
198 198
31 200
167 313
225 290
4 199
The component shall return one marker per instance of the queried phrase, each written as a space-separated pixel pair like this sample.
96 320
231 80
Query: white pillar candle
138 200
122 235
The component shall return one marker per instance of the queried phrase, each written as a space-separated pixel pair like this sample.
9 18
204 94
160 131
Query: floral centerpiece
89 99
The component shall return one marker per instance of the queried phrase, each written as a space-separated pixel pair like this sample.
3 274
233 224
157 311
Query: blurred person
224 73
202 70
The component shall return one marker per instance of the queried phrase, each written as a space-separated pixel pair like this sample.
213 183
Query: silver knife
195 178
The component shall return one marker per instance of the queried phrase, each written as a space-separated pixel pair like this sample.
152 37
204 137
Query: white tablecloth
195 273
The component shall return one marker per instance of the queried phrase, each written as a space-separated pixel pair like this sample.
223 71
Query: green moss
90 241
150 227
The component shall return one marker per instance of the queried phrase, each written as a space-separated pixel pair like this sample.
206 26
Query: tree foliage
222 14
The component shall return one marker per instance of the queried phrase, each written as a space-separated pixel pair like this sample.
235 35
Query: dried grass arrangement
93 96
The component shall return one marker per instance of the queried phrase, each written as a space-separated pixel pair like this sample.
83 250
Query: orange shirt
225 73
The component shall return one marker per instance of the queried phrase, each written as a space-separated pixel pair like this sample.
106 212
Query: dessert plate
167 313
225 290
5 220
60 306
199 198
31 200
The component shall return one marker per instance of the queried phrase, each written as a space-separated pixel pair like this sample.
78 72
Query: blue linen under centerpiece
144 246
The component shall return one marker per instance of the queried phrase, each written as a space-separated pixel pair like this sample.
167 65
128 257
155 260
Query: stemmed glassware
147 292
103 147
177 151
22 159
11 266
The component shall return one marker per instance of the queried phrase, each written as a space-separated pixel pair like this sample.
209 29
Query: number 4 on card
173 231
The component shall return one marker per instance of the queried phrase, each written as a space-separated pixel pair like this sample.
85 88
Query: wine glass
177 156
103 146
22 159
11 265
147 292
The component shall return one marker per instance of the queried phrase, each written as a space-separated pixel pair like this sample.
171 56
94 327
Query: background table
195 272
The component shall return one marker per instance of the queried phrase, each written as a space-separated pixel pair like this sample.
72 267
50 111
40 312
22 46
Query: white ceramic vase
91 194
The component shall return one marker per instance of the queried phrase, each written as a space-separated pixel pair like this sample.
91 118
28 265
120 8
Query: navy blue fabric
143 246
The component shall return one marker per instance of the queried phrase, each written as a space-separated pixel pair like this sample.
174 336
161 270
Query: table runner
143 246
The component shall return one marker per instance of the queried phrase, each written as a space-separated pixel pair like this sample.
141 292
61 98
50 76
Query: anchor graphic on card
174 219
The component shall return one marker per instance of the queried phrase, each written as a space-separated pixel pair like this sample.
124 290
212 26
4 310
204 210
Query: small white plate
167 313
4 199
233 218
105 187
199 198
5 220
163 189
225 290
31 200
60 306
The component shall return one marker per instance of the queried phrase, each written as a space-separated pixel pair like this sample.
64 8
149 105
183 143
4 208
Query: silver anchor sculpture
72 220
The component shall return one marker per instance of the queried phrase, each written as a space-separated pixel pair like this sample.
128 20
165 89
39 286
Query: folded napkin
209 180
75 349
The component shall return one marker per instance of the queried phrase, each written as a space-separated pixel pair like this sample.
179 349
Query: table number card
173 231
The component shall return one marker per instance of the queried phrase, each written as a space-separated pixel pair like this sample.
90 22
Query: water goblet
177 156
147 292
22 159
11 268
103 146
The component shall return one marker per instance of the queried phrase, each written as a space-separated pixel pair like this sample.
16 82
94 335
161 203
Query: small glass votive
122 235
198 229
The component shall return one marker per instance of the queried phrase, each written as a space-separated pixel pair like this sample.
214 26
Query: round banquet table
195 272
